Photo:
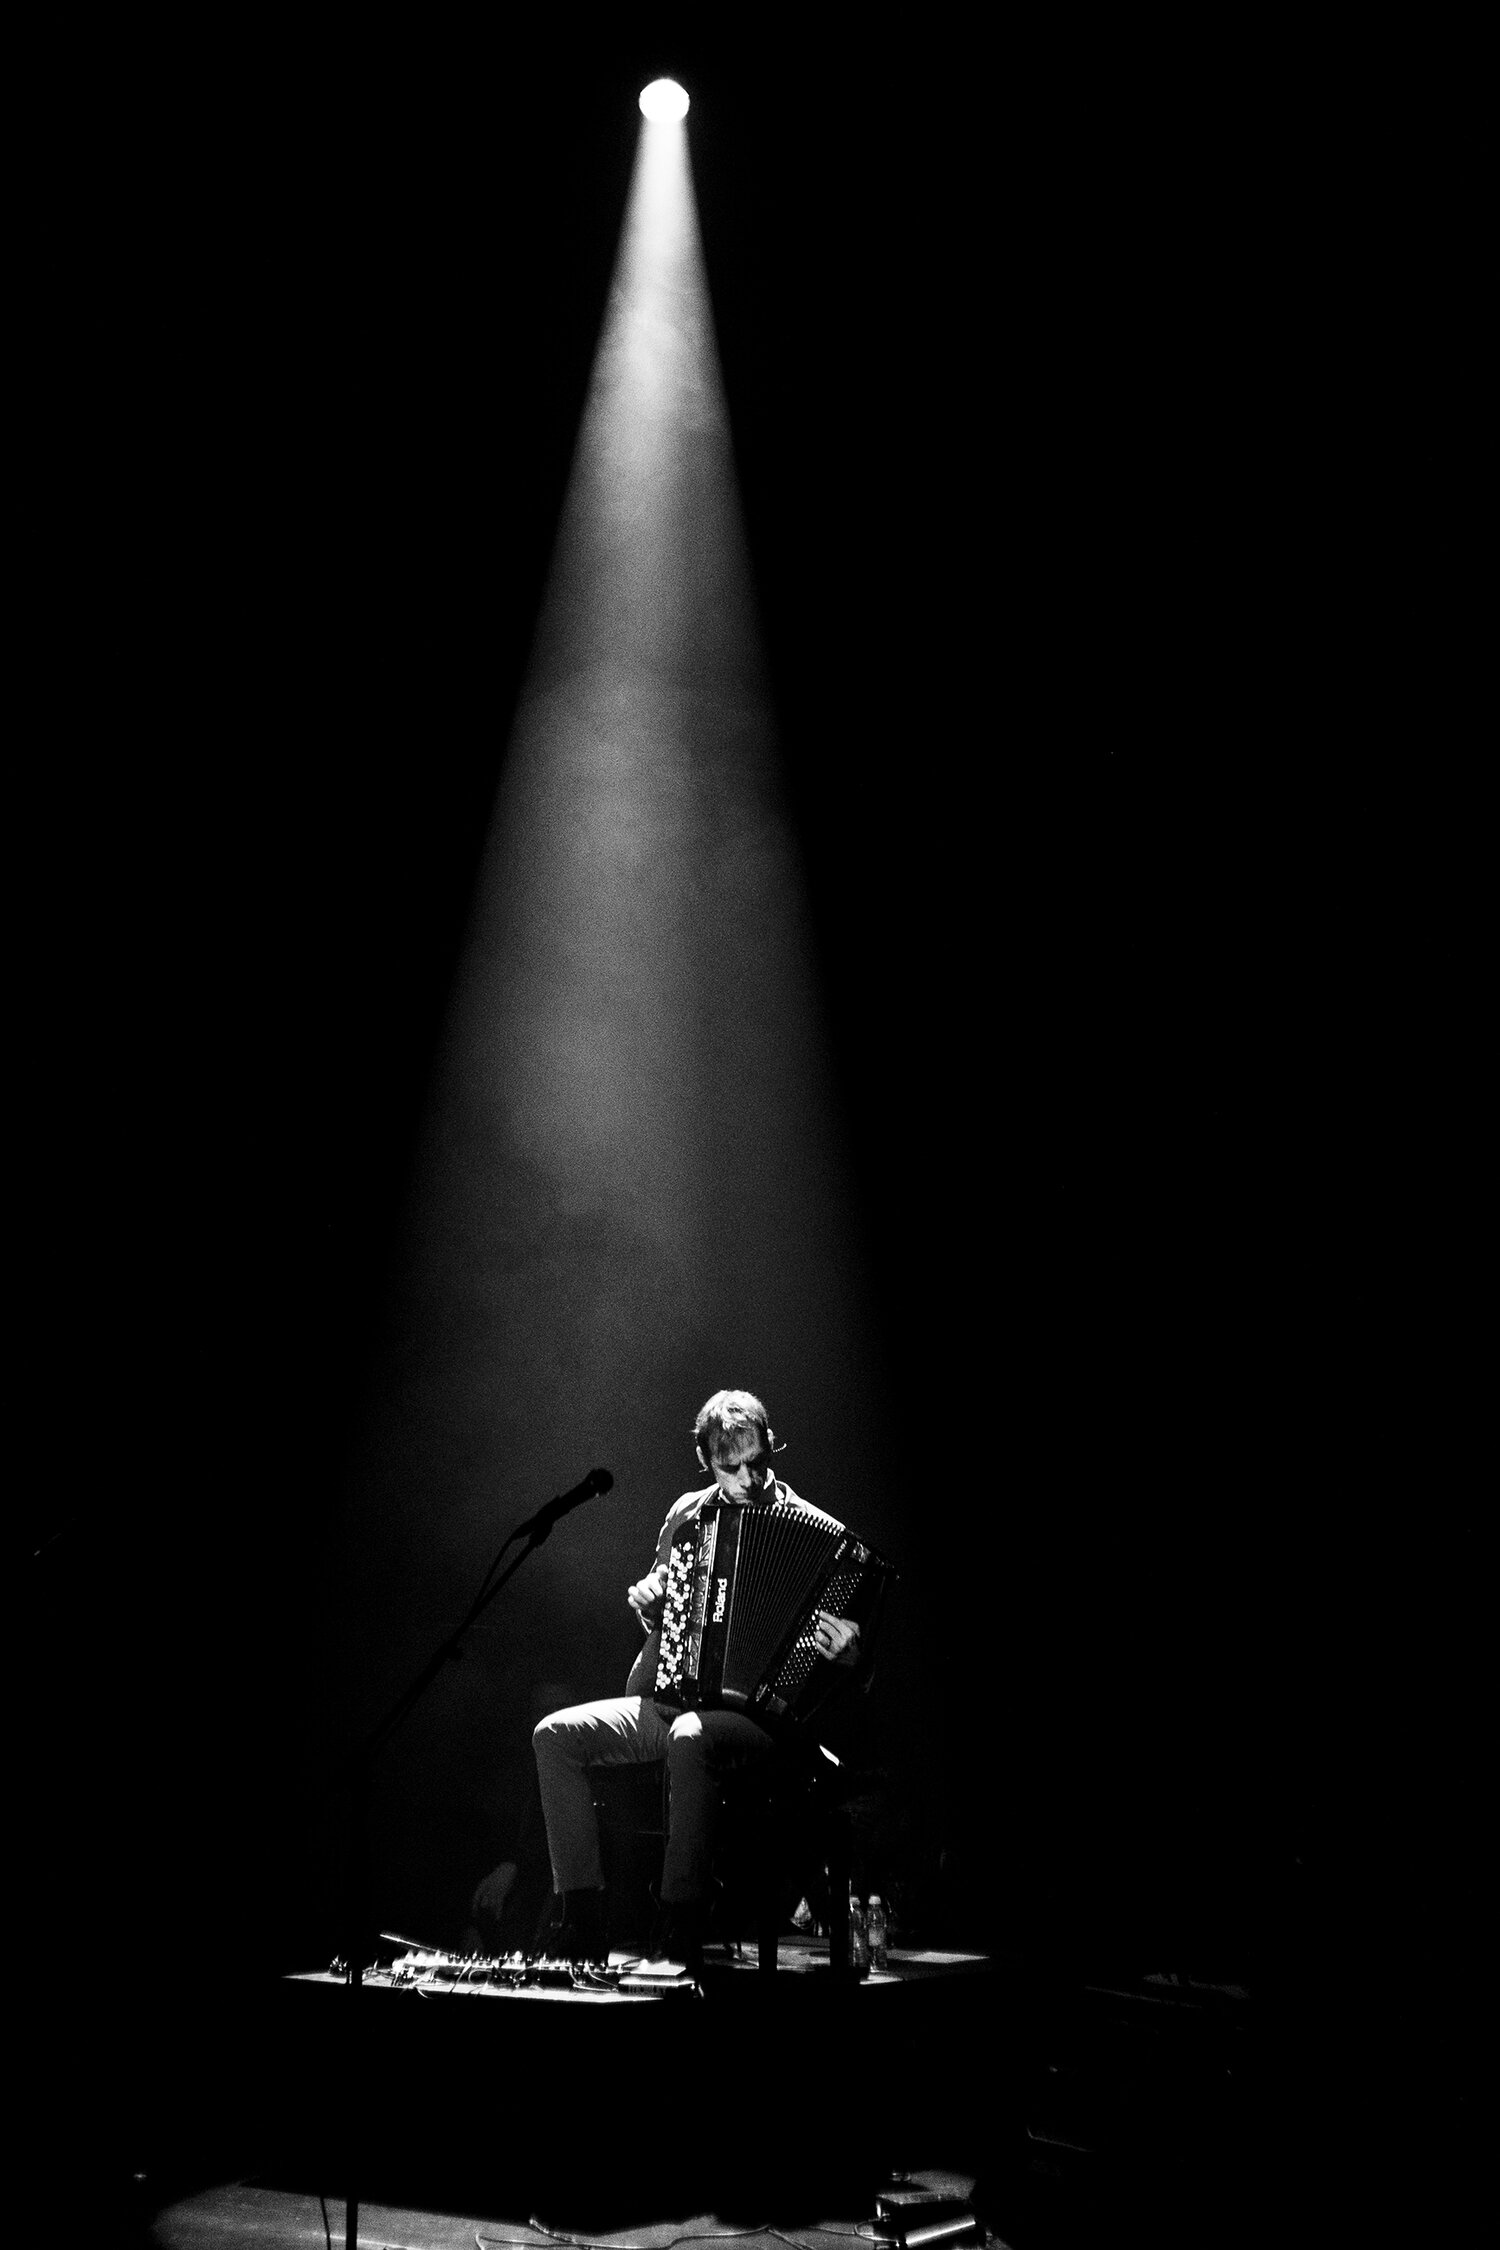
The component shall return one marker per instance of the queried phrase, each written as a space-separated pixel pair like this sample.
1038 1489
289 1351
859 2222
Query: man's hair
729 1417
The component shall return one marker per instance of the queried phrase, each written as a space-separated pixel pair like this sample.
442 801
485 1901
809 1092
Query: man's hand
645 1596
836 1638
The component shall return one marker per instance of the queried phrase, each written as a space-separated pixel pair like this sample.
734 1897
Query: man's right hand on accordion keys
645 1598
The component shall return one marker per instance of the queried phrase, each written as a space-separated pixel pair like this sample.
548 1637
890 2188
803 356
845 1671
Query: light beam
631 1189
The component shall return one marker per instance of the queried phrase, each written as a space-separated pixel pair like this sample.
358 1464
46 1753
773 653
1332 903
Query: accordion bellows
744 1588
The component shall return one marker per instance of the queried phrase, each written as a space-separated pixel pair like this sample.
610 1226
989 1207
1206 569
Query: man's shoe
678 1936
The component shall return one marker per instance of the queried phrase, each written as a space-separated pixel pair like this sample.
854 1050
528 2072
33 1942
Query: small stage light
663 101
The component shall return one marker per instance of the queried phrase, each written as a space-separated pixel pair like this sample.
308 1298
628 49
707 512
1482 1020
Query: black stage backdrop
1060 383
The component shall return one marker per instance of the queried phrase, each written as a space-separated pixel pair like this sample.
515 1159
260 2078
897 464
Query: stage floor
245 2212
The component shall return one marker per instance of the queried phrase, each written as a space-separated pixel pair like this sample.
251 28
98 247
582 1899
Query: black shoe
678 1936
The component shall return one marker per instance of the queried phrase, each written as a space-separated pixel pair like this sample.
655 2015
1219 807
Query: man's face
742 1466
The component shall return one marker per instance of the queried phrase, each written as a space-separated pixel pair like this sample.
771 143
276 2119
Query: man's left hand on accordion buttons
836 1638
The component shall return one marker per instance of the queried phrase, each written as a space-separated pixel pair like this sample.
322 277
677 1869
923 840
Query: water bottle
859 1943
877 1932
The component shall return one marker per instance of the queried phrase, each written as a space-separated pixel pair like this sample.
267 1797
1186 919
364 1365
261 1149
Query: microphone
597 1481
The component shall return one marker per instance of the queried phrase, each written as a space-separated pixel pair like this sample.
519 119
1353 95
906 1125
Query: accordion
744 1588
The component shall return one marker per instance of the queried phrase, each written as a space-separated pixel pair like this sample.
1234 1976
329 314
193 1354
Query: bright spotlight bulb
663 102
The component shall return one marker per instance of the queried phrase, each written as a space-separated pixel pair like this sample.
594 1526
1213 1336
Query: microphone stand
534 1531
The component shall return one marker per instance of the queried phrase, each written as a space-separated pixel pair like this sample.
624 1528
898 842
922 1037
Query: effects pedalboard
427 1970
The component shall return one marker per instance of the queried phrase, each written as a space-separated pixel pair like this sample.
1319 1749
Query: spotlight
663 101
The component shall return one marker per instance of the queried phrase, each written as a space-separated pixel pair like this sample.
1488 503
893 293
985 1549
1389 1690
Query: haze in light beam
631 1190
637 820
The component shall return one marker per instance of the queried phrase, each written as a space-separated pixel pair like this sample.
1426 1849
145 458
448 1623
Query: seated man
735 1444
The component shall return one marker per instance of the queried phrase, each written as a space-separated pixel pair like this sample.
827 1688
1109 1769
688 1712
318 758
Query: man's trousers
698 1747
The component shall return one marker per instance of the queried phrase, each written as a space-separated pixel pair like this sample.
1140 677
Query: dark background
1067 382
